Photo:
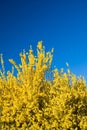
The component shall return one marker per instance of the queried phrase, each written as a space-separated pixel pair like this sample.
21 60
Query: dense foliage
30 101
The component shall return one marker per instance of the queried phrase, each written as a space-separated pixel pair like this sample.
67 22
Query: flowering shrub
29 101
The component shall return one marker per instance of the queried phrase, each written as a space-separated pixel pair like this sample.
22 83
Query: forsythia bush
30 101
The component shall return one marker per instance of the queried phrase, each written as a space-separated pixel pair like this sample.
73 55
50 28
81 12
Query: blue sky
60 24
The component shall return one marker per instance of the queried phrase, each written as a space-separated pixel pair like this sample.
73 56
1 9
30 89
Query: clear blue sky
60 24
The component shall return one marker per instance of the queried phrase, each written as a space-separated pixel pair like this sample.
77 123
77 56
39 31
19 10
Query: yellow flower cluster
29 101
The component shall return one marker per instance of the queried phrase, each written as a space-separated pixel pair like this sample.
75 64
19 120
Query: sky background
60 24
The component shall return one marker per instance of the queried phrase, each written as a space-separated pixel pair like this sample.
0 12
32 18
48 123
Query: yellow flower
29 101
